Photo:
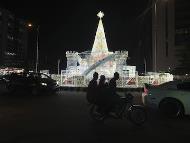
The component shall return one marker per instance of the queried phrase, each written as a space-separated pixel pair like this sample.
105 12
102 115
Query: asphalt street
64 118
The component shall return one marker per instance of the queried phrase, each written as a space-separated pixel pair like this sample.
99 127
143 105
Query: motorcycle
134 113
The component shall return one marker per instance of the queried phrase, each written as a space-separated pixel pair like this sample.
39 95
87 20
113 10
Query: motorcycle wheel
137 115
95 115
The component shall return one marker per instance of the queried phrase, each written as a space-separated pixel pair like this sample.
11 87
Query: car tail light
145 90
145 94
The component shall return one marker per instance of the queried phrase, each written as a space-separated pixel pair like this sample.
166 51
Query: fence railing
123 82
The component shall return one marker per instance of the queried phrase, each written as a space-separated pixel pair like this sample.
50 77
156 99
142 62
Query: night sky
71 25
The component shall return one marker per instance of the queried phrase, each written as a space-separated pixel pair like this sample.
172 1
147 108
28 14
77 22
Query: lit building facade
13 41
182 36
163 39
170 36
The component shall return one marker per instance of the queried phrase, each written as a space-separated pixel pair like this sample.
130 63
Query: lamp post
144 66
155 35
58 62
37 46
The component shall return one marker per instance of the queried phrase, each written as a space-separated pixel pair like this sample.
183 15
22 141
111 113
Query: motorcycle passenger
92 89
102 92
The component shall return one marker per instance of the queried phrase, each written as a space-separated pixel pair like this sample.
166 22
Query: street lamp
29 25
37 46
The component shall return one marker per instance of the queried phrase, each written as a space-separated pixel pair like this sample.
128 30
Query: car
3 88
30 83
171 99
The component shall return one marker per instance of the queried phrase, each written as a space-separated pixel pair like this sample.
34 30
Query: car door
184 95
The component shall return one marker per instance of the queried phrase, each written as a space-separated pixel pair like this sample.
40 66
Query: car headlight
44 84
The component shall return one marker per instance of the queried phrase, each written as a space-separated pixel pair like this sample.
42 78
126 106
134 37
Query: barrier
123 82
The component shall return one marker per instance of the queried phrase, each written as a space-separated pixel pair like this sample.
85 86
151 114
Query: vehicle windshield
45 76
184 86
171 84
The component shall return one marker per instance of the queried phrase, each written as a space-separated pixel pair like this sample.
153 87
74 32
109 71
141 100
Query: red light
145 91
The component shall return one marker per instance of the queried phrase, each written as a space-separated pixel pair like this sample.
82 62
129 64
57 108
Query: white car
171 98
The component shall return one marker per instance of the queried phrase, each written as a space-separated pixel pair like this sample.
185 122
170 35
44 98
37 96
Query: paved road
64 118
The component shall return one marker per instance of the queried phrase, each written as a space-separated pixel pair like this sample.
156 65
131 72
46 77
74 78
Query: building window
182 36
10 37
11 17
9 24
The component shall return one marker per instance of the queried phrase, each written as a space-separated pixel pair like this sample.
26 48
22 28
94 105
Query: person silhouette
102 90
114 99
92 89
102 84
113 84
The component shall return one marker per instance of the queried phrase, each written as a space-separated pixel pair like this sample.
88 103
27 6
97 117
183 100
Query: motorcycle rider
92 88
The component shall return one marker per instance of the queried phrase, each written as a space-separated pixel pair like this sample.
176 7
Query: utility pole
37 28
37 49
58 62
155 35
144 66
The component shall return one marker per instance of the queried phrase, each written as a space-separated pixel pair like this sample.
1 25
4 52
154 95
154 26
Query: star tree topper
100 14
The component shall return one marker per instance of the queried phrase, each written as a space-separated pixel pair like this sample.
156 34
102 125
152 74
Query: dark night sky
71 25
